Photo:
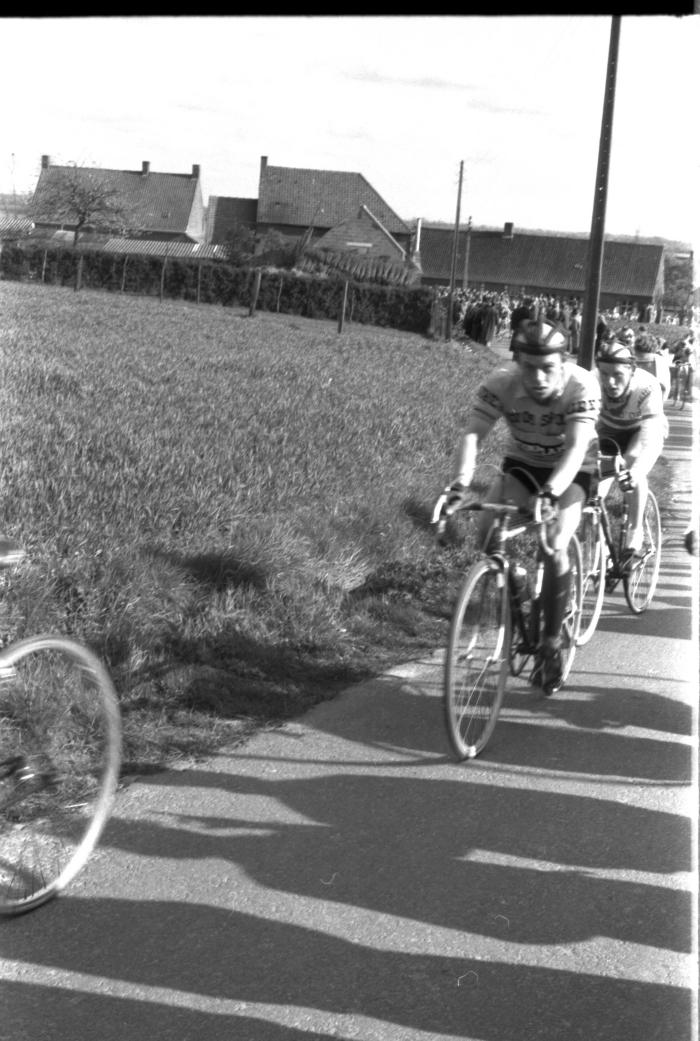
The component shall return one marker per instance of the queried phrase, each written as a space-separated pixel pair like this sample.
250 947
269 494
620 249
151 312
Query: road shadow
203 955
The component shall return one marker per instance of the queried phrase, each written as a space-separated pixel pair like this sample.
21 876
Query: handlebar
528 516
613 466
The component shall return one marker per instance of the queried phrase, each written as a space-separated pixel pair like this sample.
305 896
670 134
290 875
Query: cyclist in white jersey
632 421
550 407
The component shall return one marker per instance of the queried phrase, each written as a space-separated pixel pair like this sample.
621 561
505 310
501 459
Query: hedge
216 282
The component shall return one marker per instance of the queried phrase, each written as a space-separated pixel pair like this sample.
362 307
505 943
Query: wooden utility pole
465 271
594 265
453 268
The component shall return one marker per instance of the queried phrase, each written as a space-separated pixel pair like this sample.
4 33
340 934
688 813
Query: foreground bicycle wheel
572 619
477 659
594 556
60 751
640 583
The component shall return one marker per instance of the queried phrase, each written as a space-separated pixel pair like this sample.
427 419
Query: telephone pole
594 264
453 268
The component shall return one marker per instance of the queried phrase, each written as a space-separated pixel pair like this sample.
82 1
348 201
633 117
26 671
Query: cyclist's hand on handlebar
545 506
628 480
450 500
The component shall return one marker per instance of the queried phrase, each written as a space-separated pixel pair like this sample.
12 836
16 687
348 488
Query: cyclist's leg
556 591
638 495
557 576
637 501
505 488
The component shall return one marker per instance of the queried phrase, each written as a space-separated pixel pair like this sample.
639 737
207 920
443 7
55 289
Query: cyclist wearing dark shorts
632 422
550 407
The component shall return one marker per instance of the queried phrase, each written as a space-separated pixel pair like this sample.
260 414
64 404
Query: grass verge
232 512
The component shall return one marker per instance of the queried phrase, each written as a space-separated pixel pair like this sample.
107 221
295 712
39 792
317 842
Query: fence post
341 316
79 272
43 265
256 291
162 278
279 291
124 273
199 279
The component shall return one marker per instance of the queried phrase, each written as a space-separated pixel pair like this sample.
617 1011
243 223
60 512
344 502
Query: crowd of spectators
483 315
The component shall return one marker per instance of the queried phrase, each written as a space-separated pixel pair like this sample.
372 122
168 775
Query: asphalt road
343 877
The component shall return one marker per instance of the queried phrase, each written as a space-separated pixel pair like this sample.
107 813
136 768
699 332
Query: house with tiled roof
534 263
362 233
297 202
226 215
165 206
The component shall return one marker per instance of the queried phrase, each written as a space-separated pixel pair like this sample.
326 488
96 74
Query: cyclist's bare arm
645 447
468 449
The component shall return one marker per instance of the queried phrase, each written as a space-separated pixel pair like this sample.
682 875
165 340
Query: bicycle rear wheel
572 618
593 568
640 583
60 751
477 659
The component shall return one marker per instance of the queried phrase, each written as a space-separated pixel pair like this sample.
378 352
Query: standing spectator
575 331
601 331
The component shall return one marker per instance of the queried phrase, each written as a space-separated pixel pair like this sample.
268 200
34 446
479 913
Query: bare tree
82 198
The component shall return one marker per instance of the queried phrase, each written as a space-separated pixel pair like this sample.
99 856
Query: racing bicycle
60 753
603 536
497 618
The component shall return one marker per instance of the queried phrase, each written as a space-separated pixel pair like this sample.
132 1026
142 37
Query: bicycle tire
60 754
594 555
640 583
477 658
572 618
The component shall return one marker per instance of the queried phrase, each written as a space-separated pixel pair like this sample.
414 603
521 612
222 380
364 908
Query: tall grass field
231 511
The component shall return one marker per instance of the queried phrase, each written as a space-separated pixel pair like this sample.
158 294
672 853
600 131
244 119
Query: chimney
263 164
45 162
195 171
508 230
145 167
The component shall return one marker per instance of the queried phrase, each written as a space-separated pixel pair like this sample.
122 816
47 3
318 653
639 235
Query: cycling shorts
535 477
610 442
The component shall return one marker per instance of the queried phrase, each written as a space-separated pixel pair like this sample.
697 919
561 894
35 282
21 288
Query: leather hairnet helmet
539 336
615 352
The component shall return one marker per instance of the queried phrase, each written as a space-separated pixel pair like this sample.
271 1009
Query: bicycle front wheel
572 618
640 583
60 745
593 568
477 659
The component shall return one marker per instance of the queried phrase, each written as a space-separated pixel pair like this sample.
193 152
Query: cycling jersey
537 430
641 401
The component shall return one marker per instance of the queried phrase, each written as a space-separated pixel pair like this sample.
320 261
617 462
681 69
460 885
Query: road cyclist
550 406
631 423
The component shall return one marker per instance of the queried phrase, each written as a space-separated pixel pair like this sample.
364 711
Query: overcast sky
401 100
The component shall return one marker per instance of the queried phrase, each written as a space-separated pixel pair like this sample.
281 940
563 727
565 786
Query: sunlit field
231 511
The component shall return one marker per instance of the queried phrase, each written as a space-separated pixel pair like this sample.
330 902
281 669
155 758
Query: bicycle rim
477 659
572 618
593 569
59 765
640 583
